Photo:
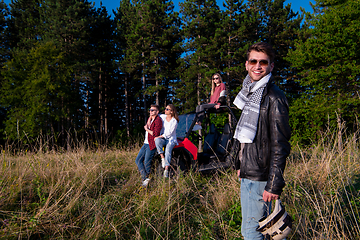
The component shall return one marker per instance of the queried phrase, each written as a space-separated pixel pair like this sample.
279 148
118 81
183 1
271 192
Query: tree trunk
144 88
105 109
101 116
127 107
157 82
227 90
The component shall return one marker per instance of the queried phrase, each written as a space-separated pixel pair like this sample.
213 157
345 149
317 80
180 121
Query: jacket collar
268 85
155 119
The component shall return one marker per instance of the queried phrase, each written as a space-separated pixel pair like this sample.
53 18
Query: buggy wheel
179 164
194 165
174 166
159 170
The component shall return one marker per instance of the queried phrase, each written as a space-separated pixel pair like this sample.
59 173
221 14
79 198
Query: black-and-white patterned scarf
248 100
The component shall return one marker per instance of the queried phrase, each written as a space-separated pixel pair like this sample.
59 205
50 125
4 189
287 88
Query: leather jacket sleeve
279 130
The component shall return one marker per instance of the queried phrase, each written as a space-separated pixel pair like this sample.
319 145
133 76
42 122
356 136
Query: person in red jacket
217 90
217 97
152 129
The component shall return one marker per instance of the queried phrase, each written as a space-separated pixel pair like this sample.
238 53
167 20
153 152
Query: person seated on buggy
217 97
167 137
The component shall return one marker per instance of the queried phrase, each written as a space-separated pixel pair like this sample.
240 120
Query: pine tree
232 39
4 53
25 23
70 24
328 61
82 36
150 33
130 65
101 89
200 18
35 82
279 26
165 49
4 34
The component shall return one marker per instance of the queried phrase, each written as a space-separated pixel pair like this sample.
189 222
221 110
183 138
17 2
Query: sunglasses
167 109
215 78
263 63
151 110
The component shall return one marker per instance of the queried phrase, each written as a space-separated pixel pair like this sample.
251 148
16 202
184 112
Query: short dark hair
155 106
262 47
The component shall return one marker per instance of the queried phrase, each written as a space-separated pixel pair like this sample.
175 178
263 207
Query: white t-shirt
146 135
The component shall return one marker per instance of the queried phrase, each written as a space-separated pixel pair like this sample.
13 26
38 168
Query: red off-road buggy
204 148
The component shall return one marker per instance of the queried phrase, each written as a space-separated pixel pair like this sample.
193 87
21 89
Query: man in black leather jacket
264 132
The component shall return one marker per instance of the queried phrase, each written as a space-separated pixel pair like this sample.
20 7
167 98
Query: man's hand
268 197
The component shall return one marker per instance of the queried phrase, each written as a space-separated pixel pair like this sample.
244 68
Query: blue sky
113 4
295 4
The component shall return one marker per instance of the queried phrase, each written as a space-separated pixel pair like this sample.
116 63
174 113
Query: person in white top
167 136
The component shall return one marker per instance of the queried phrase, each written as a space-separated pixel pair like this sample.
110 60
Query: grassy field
96 194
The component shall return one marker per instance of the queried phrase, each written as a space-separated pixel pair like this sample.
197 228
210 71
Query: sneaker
145 182
166 173
163 162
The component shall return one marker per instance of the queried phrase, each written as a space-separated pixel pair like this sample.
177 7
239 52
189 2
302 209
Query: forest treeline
71 71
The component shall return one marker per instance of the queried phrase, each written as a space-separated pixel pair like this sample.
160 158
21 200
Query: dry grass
323 189
96 194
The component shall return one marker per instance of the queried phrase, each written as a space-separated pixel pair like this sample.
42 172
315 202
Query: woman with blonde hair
217 97
167 136
217 89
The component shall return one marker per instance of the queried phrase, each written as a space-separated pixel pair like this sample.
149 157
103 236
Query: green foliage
4 35
231 40
115 68
219 119
200 20
327 62
36 83
351 193
234 214
151 47
84 36
219 44
25 23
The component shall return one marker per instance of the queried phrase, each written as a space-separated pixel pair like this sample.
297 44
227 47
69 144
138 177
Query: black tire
159 170
174 165
178 165
180 162
194 165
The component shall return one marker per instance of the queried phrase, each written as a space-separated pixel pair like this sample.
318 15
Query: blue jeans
253 207
143 160
160 143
